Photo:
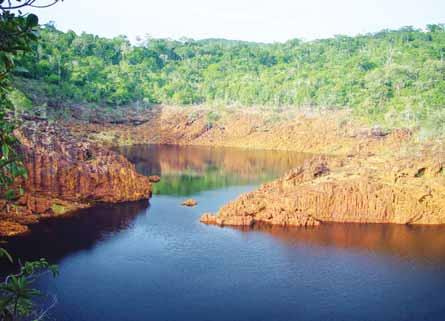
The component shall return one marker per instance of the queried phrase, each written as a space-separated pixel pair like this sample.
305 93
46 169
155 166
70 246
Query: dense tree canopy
382 75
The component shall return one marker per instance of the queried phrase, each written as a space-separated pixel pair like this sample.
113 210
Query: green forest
396 77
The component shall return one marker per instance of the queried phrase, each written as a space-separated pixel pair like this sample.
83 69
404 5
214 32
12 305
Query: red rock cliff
66 173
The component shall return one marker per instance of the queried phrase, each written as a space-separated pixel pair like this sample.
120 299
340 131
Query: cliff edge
66 173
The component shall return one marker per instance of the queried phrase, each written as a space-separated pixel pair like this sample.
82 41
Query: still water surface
155 261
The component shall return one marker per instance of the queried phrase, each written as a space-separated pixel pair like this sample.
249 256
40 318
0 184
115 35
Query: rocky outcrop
368 190
66 173
370 182
189 202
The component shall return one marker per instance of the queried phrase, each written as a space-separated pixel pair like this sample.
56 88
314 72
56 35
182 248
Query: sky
252 20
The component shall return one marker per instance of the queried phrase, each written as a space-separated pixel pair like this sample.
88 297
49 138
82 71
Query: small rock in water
190 202
154 178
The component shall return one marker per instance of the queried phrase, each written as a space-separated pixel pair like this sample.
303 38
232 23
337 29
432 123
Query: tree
379 76
17 32
17 292
436 27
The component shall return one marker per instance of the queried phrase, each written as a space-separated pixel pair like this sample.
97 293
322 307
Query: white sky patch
254 20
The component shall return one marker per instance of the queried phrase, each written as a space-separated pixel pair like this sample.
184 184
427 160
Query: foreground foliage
393 76
17 32
17 291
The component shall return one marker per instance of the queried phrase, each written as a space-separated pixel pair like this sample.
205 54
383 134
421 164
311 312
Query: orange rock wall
66 173
326 190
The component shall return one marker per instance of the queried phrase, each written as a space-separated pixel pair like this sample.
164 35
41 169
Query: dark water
155 261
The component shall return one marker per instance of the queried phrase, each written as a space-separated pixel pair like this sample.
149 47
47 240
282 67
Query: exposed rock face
370 183
368 190
67 173
332 132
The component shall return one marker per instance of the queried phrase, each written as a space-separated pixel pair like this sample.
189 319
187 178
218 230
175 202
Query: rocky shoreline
369 175
66 173
328 132
376 176
326 190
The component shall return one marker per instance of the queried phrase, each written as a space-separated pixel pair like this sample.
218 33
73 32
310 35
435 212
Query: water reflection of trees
189 169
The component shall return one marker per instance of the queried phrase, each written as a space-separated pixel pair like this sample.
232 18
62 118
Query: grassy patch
59 209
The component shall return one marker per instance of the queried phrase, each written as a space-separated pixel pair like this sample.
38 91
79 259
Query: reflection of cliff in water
189 169
58 237
419 243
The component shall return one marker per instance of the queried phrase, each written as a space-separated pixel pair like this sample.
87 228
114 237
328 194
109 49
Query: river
155 261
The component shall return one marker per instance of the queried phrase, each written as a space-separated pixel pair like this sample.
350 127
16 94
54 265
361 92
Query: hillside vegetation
393 77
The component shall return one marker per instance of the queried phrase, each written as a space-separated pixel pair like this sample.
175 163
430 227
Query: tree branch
27 3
